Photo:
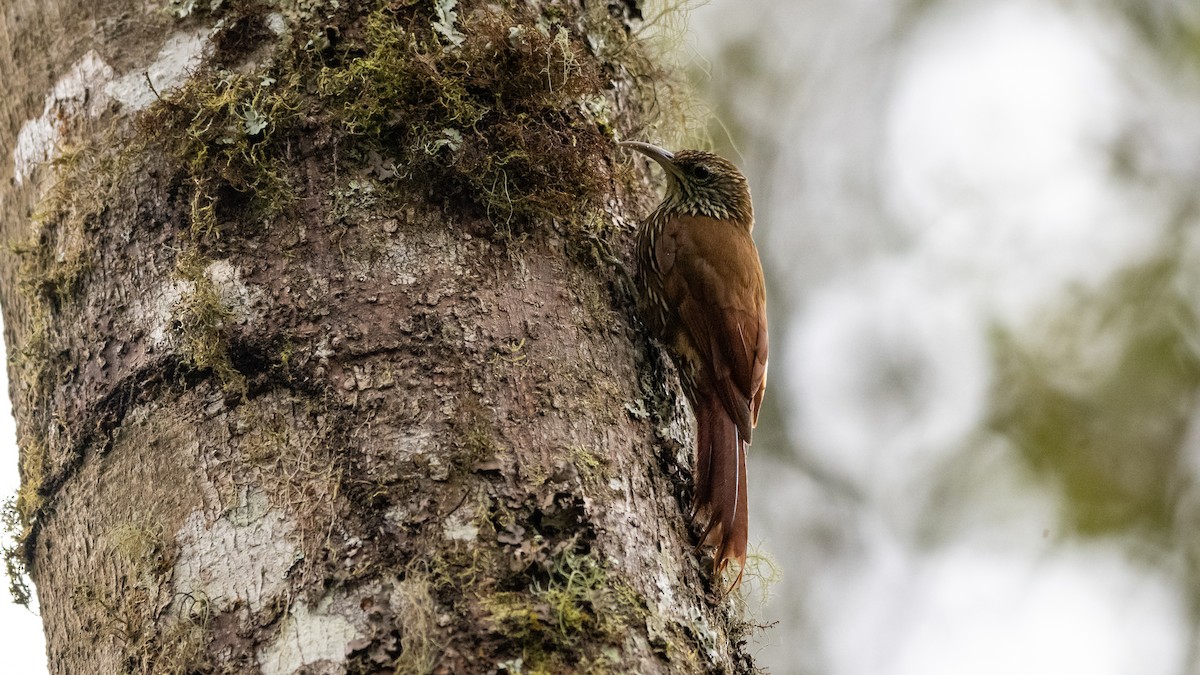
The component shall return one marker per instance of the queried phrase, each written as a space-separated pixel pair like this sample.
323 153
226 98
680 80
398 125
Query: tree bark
317 360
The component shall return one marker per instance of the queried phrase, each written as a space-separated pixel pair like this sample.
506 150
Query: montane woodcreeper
700 292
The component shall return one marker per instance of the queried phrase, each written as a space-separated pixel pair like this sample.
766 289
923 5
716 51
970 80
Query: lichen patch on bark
180 55
156 311
242 556
235 294
88 87
314 637
78 94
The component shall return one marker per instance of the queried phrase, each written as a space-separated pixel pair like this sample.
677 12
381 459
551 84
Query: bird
700 293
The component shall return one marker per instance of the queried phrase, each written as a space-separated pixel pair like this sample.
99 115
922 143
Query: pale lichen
242 557
309 636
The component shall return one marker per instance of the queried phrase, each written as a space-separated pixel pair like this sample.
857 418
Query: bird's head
701 183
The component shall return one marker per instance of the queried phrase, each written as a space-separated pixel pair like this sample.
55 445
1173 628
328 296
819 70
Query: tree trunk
318 362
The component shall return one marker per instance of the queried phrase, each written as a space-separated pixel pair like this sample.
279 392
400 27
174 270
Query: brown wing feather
758 376
721 307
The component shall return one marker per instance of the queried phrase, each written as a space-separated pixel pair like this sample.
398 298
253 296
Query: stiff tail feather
719 498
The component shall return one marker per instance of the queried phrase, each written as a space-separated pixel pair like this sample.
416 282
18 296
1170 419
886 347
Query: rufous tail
719 500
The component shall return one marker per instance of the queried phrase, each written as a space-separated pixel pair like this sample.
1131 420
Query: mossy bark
318 361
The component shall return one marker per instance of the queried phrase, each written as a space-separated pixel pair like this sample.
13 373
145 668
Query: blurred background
982 438
979 223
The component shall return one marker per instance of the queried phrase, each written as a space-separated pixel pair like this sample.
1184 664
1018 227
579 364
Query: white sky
994 165
991 611
999 135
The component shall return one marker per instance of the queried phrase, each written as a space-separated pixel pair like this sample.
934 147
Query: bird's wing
712 276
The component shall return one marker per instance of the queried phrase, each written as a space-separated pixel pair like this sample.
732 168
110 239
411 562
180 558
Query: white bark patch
89 87
238 297
276 23
415 444
177 59
666 594
458 526
243 556
159 311
705 634
314 638
78 94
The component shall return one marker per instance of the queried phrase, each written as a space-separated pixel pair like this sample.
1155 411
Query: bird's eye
700 172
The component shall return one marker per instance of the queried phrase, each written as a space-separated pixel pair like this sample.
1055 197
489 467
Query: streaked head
701 183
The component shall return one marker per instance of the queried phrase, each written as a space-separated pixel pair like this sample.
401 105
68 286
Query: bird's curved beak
664 157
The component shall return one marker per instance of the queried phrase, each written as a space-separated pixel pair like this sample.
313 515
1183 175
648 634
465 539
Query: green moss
268 437
129 610
503 110
33 476
229 131
508 353
500 110
37 376
494 120
54 262
144 548
591 465
56 256
417 615
578 614
203 322
123 615
180 650
478 438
